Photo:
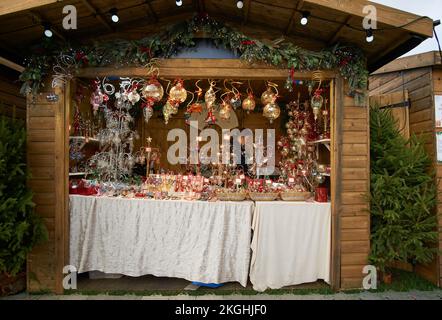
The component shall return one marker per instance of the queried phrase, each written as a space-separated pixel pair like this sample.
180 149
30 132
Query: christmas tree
403 195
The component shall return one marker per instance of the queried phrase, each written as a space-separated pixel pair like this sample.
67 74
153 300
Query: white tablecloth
291 244
197 241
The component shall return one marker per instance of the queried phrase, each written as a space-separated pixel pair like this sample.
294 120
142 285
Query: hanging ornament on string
271 109
97 97
133 96
317 100
225 110
235 96
178 94
210 99
194 107
270 94
153 91
249 103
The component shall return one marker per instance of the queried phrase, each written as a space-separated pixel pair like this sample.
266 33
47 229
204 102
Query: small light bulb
304 19
179 3
114 15
48 33
115 18
240 4
370 36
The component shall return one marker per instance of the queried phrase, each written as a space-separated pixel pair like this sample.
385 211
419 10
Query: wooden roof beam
293 17
386 15
11 65
150 10
12 6
246 11
338 33
97 15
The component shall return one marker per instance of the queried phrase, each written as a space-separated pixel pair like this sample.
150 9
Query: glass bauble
210 97
249 103
147 113
178 93
235 101
153 91
271 111
225 111
133 97
268 96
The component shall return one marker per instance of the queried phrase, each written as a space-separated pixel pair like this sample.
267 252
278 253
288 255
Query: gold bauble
268 96
153 90
271 111
249 103
178 93
225 111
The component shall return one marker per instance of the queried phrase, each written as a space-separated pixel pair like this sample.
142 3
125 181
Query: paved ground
412 295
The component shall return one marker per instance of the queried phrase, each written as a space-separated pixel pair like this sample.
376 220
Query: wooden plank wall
437 86
12 103
45 121
353 210
418 82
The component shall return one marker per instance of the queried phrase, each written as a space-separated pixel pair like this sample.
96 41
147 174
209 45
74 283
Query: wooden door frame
213 69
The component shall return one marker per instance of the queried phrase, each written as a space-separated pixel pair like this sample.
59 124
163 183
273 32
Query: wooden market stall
271 22
412 87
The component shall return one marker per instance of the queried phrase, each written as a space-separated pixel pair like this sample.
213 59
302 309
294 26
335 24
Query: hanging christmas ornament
249 103
178 93
210 96
147 113
211 119
270 94
168 111
271 109
316 103
97 97
153 91
133 96
225 110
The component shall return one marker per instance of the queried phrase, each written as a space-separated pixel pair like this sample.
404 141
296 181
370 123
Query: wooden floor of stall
151 283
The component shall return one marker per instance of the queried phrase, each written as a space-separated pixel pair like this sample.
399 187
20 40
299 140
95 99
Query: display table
291 244
206 242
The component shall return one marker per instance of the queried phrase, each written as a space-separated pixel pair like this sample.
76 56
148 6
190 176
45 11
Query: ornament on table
270 94
249 103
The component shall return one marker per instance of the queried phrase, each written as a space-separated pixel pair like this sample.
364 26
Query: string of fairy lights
303 20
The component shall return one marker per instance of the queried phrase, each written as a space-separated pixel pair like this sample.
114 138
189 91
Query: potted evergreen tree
403 196
20 228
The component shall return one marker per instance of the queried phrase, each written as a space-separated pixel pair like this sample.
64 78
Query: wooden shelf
77 174
81 138
325 142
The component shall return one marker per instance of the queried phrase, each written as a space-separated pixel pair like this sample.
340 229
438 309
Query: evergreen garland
20 228
403 195
350 61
